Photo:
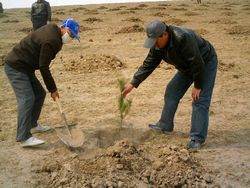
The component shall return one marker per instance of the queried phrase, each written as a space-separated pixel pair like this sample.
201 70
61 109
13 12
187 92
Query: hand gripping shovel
71 137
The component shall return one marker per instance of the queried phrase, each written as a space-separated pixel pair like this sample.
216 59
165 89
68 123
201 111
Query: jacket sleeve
192 55
48 11
150 63
46 55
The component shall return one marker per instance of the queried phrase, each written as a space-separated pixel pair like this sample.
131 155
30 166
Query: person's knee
26 102
171 92
201 104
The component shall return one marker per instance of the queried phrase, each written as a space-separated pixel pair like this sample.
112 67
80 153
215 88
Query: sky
28 3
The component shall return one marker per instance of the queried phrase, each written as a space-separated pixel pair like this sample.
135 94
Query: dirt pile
125 165
95 62
133 19
131 29
239 30
92 20
175 21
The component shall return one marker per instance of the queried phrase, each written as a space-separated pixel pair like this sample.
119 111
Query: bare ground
86 75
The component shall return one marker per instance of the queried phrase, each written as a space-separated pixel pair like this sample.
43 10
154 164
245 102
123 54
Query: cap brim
149 43
75 35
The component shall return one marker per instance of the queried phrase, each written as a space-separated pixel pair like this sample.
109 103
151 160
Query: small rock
53 175
119 166
68 167
120 184
64 181
158 165
229 186
174 147
208 178
111 184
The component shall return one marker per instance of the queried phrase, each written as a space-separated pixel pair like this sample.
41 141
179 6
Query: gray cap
154 29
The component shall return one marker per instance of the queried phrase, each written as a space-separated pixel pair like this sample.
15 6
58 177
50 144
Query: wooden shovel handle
58 103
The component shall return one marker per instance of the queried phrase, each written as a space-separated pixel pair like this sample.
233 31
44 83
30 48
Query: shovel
70 137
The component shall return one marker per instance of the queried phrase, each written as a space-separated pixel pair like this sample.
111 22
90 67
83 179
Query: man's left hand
196 94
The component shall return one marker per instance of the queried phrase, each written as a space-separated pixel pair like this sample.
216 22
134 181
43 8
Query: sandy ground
86 74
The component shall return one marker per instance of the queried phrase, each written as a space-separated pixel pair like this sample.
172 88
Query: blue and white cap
73 27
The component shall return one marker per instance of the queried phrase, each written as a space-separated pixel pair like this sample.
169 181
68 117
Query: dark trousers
30 97
176 89
38 22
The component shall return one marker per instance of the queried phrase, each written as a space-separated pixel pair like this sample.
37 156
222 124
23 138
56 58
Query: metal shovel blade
71 137
74 139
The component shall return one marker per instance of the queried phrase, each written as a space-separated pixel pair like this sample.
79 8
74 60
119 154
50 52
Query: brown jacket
36 52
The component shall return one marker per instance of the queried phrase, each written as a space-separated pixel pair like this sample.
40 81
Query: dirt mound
157 8
239 30
56 19
175 21
79 8
125 165
10 21
59 12
142 5
179 9
114 9
228 14
131 29
201 31
25 30
135 8
95 63
133 19
225 67
92 20
126 12
160 14
102 7
191 13
223 21
84 28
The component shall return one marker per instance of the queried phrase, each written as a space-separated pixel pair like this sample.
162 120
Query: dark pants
176 89
38 22
30 97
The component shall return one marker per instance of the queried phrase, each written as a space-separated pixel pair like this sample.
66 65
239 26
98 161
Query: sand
87 75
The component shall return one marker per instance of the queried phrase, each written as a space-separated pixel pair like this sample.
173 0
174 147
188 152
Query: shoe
32 141
157 127
39 129
194 145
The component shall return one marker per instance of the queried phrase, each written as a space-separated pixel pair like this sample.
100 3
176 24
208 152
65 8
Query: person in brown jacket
35 52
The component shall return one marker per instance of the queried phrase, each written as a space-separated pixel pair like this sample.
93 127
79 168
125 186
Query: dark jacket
41 10
186 50
1 7
36 52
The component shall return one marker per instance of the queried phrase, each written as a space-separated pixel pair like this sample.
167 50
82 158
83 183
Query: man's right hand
54 95
127 90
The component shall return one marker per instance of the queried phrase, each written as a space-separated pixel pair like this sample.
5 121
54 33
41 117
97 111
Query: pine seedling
123 104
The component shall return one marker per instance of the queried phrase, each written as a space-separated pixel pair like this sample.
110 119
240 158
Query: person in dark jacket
35 52
196 62
1 7
40 14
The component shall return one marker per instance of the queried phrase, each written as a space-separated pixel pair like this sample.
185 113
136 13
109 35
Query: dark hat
154 30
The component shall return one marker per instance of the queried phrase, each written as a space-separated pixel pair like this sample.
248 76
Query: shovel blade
74 140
